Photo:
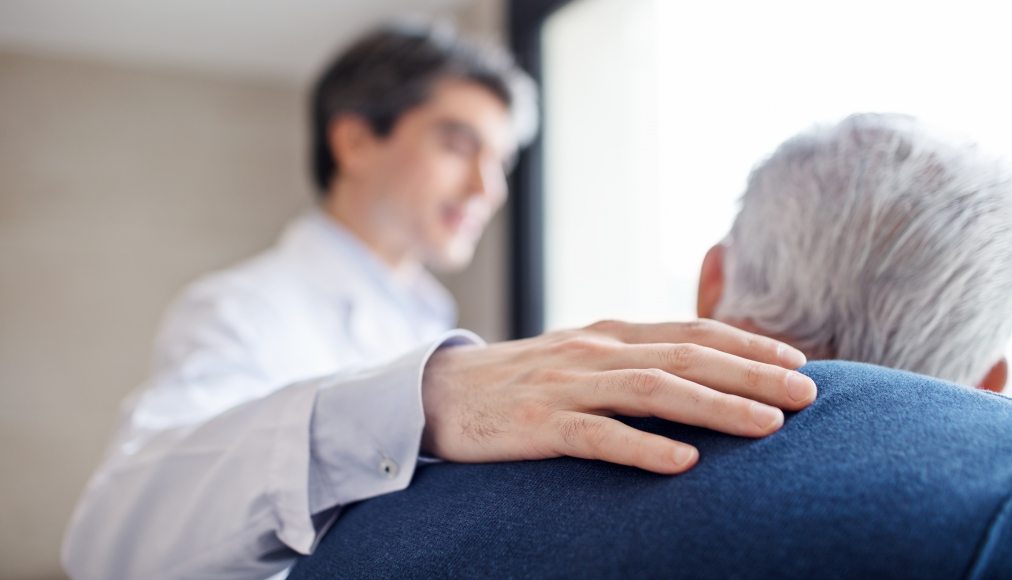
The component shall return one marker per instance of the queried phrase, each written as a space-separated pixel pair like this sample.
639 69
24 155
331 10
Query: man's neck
353 215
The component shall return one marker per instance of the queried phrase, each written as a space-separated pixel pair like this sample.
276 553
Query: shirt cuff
367 428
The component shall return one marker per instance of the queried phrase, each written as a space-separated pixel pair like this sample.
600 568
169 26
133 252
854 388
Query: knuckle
581 346
531 410
550 376
527 376
571 428
605 326
753 343
713 402
647 383
637 452
760 345
682 357
577 429
726 407
698 329
595 435
560 335
754 375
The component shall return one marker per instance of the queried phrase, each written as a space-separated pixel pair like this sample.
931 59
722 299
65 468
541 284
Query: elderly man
874 240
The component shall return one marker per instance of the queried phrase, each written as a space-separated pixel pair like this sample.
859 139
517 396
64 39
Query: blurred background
143 144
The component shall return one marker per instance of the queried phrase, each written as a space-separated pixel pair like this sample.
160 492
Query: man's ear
711 282
350 138
996 377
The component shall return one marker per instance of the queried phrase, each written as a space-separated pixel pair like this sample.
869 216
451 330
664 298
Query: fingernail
790 357
766 417
685 456
799 387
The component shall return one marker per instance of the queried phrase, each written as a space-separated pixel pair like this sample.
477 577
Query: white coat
281 389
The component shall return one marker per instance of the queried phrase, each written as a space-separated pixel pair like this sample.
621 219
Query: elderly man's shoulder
886 474
859 397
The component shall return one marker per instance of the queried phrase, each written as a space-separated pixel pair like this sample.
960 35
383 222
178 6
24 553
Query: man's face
439 177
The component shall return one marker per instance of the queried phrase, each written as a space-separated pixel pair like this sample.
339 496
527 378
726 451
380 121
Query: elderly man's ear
711 282
996 377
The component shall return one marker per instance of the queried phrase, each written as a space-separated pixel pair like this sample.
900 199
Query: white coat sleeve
199 486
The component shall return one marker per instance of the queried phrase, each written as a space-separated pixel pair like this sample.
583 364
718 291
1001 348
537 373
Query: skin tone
422 195
711 288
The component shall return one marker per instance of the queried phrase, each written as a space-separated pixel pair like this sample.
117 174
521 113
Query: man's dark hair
393 69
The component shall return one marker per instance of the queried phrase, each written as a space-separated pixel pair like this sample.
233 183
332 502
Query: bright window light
656 111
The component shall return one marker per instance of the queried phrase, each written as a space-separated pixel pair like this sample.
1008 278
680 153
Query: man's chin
454 257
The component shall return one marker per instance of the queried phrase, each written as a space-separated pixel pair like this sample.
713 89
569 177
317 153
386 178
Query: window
656 110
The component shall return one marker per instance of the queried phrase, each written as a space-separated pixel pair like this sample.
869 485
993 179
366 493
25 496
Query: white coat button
389 468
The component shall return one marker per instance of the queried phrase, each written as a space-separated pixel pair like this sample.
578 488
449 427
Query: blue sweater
887 474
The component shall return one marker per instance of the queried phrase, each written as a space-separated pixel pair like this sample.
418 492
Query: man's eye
458 145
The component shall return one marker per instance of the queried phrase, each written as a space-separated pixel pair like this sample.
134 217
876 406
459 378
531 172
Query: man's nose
488 179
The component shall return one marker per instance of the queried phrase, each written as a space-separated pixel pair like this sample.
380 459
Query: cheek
429 176
448 177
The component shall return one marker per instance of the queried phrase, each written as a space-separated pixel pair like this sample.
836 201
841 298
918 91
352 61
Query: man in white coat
316 374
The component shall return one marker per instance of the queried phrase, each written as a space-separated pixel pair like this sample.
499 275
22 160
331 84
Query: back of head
878 240
394 68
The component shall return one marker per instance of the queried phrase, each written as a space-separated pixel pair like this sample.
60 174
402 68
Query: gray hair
878 240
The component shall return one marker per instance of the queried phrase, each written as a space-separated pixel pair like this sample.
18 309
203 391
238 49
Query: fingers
705 332
724 372
656 393
603 438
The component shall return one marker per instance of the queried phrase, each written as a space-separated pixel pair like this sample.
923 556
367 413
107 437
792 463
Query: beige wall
117 186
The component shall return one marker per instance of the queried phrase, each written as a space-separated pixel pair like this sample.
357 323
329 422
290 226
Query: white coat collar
344 265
